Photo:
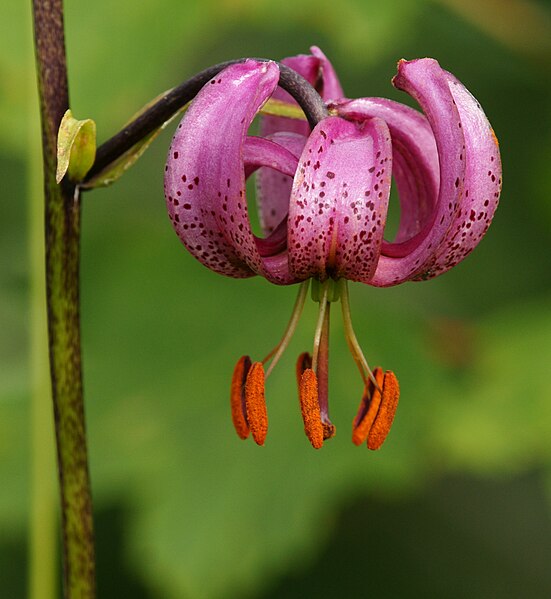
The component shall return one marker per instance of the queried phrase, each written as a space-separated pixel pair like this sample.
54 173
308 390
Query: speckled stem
62 229
308 98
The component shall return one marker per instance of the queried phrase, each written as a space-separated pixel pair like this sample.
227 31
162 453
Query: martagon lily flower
322 199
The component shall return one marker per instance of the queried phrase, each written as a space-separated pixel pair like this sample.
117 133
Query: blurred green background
457 503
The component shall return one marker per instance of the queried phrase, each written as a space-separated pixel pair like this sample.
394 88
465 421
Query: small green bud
76 147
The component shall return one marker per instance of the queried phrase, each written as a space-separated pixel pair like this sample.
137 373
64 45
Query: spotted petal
414 163
273 189
339 200
480 189
445 212
319 72
205 176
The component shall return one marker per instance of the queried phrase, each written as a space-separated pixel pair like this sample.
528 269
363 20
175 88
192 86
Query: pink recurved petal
414 167
272 189
339 200
259 152
308 67
481 187
205 177
329 86
427 83
440 225
279 152
269 254
319 72
204 170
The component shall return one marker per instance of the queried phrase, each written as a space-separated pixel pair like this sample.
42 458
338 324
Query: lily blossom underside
323 196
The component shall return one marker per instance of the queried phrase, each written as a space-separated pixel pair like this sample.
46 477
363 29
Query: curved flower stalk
323 200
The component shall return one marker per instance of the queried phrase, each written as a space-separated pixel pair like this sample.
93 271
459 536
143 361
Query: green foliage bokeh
207 515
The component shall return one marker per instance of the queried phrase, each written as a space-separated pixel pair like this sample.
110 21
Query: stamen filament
322 374
278 350
351 339
304 362
319 327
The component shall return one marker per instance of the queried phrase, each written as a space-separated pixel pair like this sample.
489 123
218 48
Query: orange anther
237 397
387 410
309 405
369 406
255 403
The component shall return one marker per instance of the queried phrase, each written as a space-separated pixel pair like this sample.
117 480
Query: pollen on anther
386 413
255 403
309 405
237 397
369 407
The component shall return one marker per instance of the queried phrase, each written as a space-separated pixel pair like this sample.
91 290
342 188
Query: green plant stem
62 230
351 339
43 517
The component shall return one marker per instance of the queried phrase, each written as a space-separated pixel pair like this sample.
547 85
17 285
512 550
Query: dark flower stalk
169 104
